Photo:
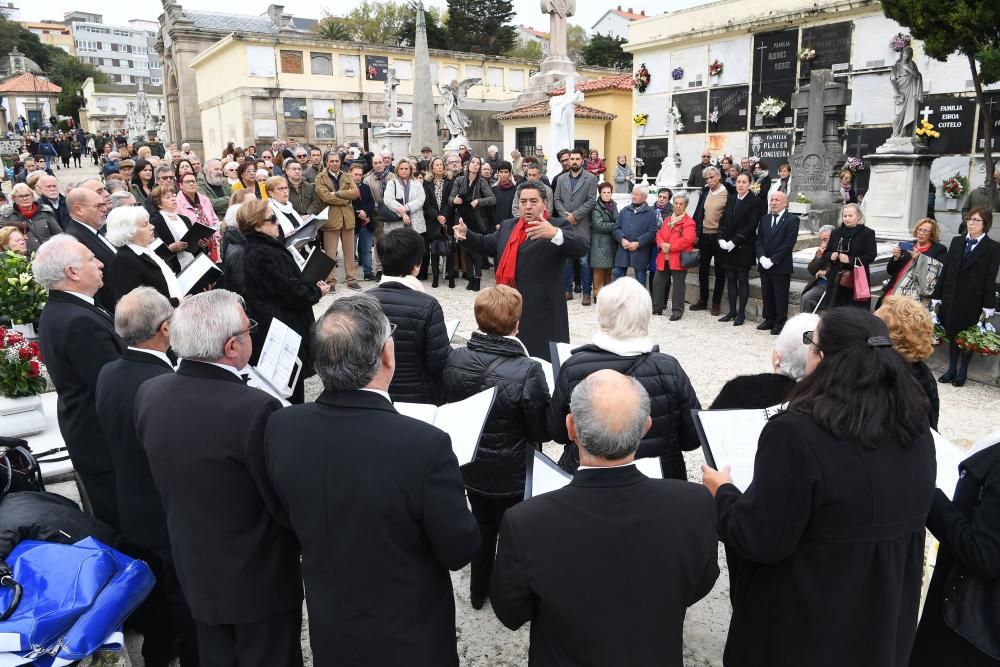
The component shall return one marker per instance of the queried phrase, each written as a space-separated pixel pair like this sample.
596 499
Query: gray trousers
811 297
662 283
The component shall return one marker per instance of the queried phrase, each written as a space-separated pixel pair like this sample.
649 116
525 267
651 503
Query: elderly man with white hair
622 343
77 338
136 264
788 367
47 190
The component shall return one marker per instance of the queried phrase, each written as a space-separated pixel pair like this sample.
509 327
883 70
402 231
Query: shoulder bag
691 258
862 290
386 213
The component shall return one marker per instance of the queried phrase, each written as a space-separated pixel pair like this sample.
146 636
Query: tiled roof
28 83
620 82
232 23
540 109
631 16
531 31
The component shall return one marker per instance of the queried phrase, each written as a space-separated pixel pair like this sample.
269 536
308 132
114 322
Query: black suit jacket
140 511
660 532
101 251
777 244
77 339
380 511
129 270
203 431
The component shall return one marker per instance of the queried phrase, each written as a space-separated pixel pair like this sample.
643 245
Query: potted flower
21 298
21 382
642 78
801 206
807 55
715 69
675 118
953 189
899 42
770 107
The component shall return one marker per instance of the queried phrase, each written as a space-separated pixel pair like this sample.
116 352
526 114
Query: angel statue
391 82
454 94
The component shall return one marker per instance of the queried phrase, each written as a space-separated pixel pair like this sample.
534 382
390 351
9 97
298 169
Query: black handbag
972 605
386 214
691 259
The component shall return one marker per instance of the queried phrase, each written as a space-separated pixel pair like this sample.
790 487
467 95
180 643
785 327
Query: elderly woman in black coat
968 529
851 242
622 344
966 288
830 531
274 286
516 425
737 234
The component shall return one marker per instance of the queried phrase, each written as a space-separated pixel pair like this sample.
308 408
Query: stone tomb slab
991 101
775 56
733 54
897 193
953 117
832 43
693 111
773 146
728 106
652 152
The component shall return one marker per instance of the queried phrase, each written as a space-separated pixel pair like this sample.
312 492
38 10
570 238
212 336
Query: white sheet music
547 371
732 437
279 356
194 271
463 420
948 457
546 475
451 326
256 380
564 350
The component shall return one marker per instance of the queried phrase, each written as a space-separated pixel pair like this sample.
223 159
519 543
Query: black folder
196 233
304 234
318 267
198 275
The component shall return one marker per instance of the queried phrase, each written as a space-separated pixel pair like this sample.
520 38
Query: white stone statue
558 11
454 94
908 85
562 122
391 82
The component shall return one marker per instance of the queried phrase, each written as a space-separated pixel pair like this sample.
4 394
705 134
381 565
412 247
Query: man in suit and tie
78 338
380 512
142 321
776 236
576 196
605 568
530 254
203 432
87 214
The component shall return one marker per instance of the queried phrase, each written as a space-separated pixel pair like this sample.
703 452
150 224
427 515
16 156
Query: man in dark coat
203 431
421 337
379 509
86 207
48 189
635 229
776 235
536 269
696 179
141 319
709 217
544 572
77 338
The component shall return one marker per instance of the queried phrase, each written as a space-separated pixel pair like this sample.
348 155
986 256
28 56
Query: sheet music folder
198 275
463 420
318 266
196 233
305 233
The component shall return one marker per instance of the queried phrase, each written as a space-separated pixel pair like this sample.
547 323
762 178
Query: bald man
95 185
615 558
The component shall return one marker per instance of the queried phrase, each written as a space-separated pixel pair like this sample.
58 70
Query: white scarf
173 287
288 212
409 281
623 347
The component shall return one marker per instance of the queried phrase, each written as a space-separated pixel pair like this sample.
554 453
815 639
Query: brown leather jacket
338 197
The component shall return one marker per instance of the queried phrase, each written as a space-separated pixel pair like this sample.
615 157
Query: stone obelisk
424 130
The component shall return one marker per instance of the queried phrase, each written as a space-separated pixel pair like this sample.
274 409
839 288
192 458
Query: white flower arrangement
676 119
770 107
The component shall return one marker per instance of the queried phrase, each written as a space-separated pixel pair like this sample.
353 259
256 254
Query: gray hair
202 324
684 196
347 342
140 313
608 434
710 170
625 309
641 188
122 198
116 186
122 223
53 257
826 228
790 346
857 208
162 169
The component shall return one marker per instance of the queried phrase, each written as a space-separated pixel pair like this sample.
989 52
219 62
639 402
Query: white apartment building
124 53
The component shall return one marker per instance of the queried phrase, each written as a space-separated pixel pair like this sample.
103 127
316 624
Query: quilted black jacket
517 420
422 345
671 400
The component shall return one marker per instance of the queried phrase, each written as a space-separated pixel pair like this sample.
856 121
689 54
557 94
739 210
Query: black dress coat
203 431
859 243
747 392
102 252
967 284
517 418
739 225
421 340
376 499
969 531
541 271
830 541
432 210
671 399
140 511
164 234
129 270
544 568
77 340
476 219
274 289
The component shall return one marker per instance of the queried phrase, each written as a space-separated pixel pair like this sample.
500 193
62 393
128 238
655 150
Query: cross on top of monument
926 112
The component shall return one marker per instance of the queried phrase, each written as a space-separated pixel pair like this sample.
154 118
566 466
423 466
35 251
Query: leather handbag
386 214
691 259
862 290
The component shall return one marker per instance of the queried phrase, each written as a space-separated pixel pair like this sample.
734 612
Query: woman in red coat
595 164
676 235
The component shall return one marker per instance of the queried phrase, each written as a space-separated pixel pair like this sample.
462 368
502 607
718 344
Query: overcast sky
528 11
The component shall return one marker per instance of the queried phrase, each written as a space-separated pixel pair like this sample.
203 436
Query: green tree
437 31
528 50
333 27
969 27
481 26
374 22
607 51
576 42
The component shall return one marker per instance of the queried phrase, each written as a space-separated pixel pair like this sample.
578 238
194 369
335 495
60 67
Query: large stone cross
817 155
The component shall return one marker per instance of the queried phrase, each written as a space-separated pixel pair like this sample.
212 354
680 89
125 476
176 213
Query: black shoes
451 282
473 285
738 322
701 305
728 317
676 315
947 377
765 325
371 276
776 329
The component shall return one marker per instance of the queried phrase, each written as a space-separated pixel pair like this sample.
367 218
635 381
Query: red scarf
29 212
507 265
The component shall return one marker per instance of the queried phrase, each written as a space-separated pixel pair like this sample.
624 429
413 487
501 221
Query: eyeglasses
281 188
807 338
251 327
392 330
168 178
979 220
272 219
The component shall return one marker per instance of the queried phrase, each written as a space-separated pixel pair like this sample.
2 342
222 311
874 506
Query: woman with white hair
136 263
788 367
851 243
35 221
622 344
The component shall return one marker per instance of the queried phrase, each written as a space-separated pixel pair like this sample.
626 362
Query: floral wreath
642 78
854 164
770 107
715 69
676 118
899 42
640 119
677 73
927 130
807 55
